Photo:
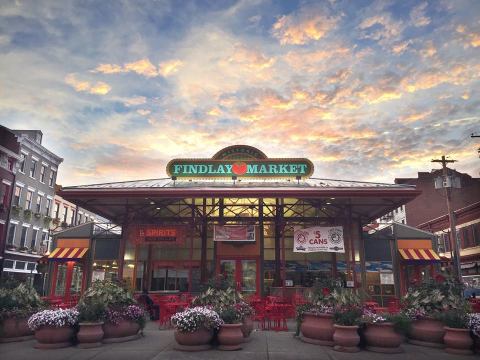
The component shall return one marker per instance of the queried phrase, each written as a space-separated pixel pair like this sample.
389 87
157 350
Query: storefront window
168 279
76 286
61 278
104 270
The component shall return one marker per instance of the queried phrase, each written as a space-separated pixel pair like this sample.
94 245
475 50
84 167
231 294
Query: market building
266 224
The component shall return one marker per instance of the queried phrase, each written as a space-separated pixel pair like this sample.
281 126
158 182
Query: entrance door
240 272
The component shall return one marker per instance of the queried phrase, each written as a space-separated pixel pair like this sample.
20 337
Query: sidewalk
265 345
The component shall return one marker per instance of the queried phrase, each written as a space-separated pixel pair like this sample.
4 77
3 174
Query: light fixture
328 203
131 266
152 202
332 198
157 208
94 264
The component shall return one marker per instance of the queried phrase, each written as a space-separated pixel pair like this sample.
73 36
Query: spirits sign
268 168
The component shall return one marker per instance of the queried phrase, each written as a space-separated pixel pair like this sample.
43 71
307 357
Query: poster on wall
318 239
98 275
234 233
386 278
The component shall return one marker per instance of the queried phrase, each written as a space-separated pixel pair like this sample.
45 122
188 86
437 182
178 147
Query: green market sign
249 168
240 161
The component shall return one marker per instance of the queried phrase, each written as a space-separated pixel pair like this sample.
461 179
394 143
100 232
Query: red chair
260 314
393 306
277 317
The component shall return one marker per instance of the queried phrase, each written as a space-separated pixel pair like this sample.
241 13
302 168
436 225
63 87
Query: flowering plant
474 323
193 319
130 312
369 317
53 318
244 309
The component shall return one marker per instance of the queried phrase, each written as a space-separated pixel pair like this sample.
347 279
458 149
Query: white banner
318 239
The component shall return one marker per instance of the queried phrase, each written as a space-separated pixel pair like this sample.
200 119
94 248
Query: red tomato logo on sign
239 168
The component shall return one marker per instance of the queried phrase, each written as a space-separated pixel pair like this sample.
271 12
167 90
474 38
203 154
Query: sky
368 90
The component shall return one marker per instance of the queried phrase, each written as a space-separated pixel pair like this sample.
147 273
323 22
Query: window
31 266
476 233
16 196
48 204
20 265
5 193
72 217
169 279
44 238
23 238
34 238
28 202
51 179
57 210
65 213
80 218
43 169
22 163
33 168
11 234
39 204
8 264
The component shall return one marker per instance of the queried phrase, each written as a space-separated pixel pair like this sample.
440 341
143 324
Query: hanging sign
157 234
318 239
234 233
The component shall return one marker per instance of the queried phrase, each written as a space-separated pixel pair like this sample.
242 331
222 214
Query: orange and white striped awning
419 254
68 253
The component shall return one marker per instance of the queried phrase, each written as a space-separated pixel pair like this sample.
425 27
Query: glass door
241 273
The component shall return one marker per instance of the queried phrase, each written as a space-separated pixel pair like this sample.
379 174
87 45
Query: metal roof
241 183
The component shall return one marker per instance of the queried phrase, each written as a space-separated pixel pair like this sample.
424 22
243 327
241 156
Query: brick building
9 155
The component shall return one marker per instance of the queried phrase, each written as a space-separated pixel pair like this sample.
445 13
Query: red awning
419 254
68 253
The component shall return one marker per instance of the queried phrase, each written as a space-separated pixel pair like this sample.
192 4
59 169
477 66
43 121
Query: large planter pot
346 338
317 329
15 329
194 341
458 341
247 328
383 338
427 332
90 335
230 337
125 330
53 337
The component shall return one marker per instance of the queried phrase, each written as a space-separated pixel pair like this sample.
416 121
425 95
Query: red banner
234 233
165 235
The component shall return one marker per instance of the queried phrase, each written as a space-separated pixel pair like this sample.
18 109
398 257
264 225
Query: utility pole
451 216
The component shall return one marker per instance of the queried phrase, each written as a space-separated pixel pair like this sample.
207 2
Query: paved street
265 345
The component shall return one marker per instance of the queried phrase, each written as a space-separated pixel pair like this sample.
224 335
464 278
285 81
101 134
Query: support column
362 256
121 250
262 245
203 254
397 268
278 210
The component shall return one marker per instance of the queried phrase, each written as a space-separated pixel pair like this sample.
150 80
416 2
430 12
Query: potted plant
56 221
53 328
380 331
16 306
46 221
37 215
194 328
91 312
246 312
315 319
230 336
11 247
457 331
27 214
424 304
346 319
16 210
122 322
64 224
23 249
474 325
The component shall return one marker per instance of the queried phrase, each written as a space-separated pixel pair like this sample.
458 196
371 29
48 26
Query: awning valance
62 253
419 254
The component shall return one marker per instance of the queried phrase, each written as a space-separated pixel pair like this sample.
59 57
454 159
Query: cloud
416 116
142 67
97 88
400 47
134 101
303 27
381 28
169 67
418 16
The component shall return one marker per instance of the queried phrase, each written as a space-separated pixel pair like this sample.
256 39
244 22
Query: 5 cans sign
318 239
